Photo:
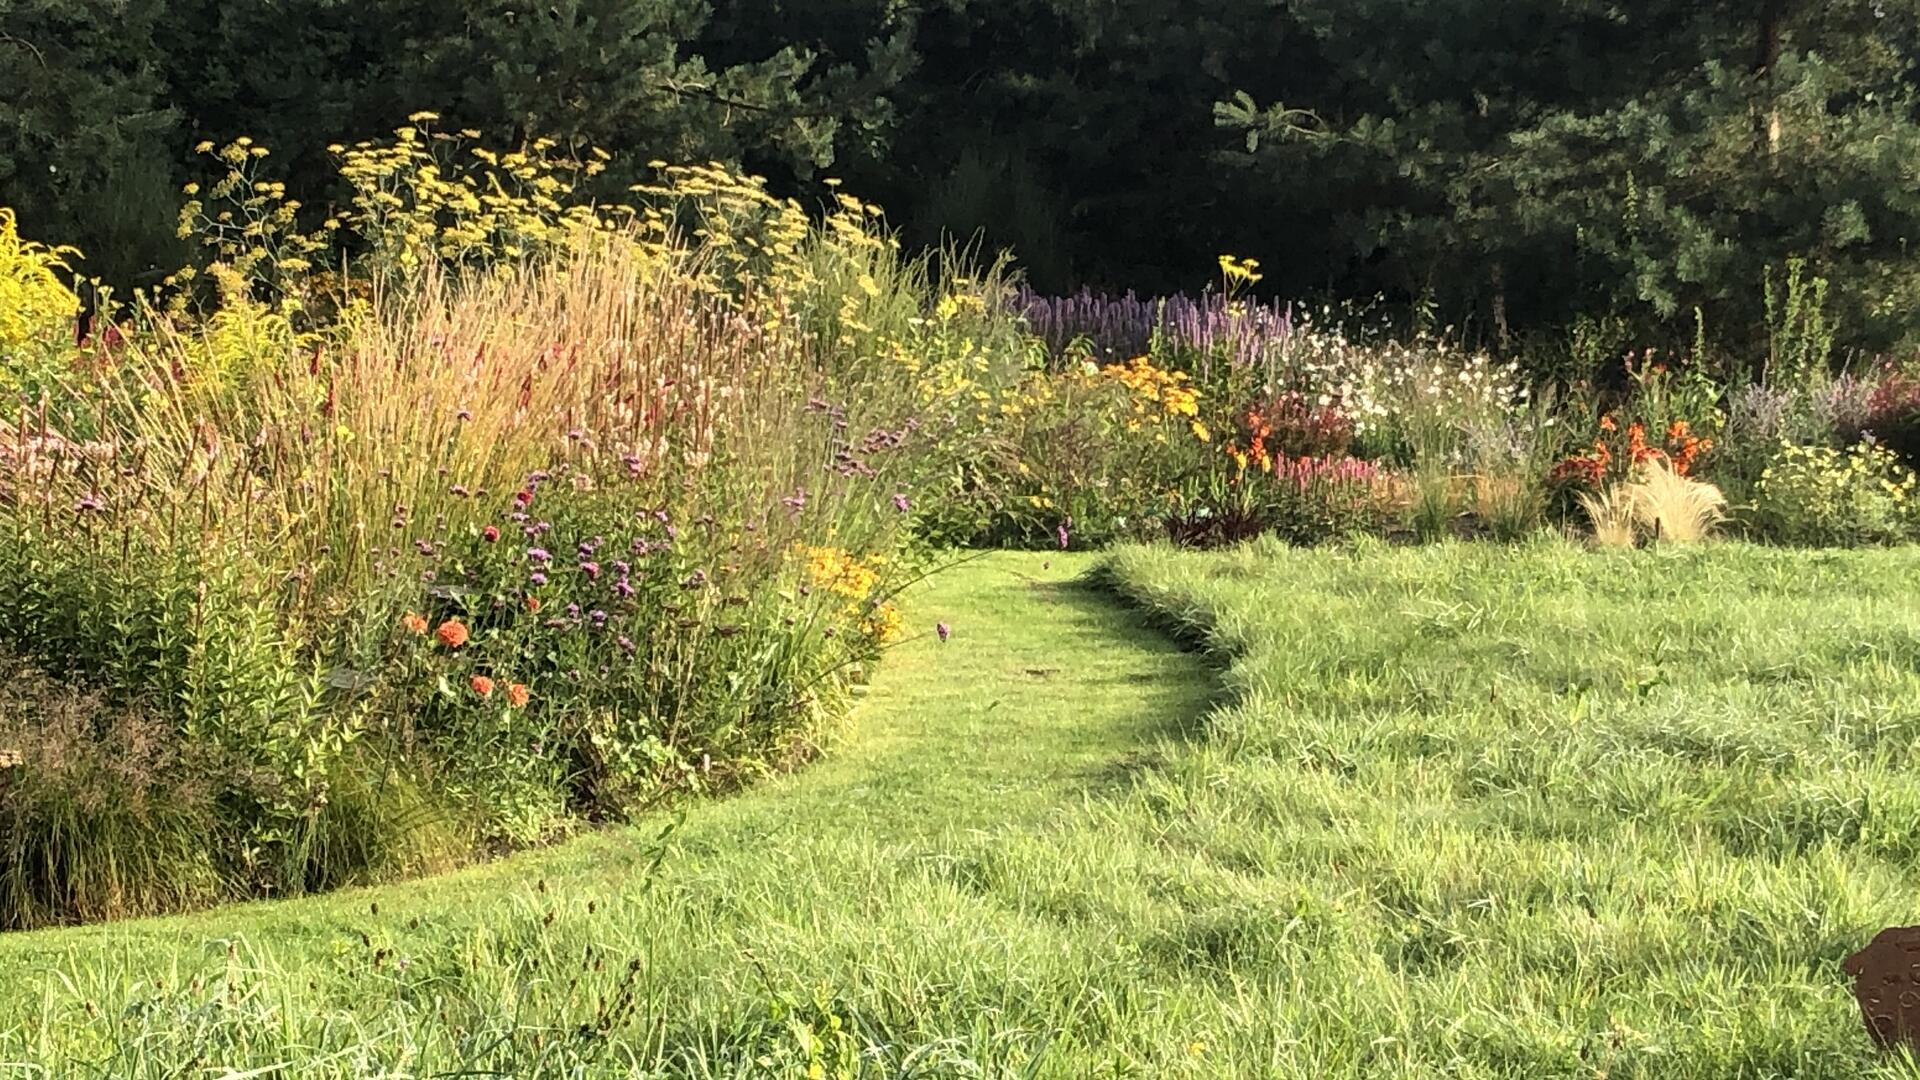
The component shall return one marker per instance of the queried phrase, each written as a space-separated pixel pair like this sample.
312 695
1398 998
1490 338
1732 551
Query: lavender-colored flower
943 630
91 504
537 578
697 580
626 644
622 567
900 502
1063 535
591 569
599 617
573 611
797 501
623 588
539 555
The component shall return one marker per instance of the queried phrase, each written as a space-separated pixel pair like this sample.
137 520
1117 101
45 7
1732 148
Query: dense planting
484 509
542 514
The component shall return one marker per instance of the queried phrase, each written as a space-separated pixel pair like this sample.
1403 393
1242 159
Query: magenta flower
900 502
943 630
1063 535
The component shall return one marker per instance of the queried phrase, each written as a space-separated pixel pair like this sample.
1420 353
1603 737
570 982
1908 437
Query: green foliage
1799 335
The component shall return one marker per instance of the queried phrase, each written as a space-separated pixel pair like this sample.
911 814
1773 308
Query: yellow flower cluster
883 624
247 220
847 575
33 300
420 197
1866 467
754 242
1150 386
1159 393
839 572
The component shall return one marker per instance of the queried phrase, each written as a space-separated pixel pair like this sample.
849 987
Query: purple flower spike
1063 536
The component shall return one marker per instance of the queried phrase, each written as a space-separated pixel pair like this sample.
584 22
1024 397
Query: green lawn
1463 811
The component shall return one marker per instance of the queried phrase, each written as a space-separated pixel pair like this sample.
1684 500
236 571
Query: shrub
1819 495
1892 416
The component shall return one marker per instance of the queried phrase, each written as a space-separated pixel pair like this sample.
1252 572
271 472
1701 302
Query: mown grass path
838 918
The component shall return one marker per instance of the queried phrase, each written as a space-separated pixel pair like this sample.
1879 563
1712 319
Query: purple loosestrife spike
943 630
1063 535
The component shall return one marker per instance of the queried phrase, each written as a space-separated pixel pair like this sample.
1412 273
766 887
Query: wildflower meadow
692 631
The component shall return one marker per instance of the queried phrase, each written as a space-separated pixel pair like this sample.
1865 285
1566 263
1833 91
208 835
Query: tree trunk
1766 56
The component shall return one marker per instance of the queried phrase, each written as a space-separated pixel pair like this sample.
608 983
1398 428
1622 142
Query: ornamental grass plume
1674 508
1611 512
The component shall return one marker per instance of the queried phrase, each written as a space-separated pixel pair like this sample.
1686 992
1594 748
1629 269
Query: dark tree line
1513 166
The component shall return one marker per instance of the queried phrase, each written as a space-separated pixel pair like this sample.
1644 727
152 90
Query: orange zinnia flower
414 623
481 685
533 603
452 633
517 694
